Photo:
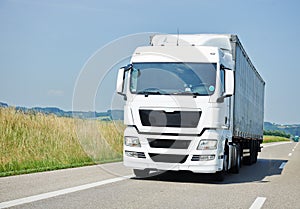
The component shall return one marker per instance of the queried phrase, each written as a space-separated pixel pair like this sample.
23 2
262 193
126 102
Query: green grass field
268 139
37 142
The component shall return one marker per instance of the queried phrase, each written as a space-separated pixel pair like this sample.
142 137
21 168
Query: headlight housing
132 141
208 144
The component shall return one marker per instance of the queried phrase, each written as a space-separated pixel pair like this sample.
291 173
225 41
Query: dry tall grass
33 142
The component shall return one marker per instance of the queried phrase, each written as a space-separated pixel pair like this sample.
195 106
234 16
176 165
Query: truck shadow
253 173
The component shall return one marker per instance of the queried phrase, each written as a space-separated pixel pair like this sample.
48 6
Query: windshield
173 78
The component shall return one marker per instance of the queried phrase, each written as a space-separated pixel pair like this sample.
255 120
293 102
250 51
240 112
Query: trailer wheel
255 151
252 152
141 173
248 160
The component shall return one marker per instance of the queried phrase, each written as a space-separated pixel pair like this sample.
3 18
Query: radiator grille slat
166 158
160 118
169 143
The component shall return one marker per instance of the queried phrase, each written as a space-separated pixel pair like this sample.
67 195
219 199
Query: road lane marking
60 192
293 150
282 165
258 203
290 154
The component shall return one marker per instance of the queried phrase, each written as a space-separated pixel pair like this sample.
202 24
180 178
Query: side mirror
120 81
229 83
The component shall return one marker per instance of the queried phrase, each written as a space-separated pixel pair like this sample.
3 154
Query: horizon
287 124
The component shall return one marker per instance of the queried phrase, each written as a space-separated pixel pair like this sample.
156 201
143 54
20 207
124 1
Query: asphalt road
273 182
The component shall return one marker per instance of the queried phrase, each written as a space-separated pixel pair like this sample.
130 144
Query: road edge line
47 195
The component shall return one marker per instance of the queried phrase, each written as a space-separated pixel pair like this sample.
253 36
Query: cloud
55 92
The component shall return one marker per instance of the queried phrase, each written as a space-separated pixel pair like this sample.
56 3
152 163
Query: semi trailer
192 103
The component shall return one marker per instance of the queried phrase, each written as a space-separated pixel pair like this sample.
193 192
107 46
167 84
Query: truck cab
178 109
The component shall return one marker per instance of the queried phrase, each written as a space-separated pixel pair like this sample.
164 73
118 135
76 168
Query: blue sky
45 44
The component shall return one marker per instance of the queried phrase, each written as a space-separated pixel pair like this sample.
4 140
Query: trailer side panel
248 100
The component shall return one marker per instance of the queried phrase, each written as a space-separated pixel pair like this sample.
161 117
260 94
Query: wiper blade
187 93
149 92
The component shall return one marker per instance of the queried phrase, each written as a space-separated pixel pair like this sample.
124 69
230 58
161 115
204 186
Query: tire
236 167
252 153
255 152
141 173
220 175
248 160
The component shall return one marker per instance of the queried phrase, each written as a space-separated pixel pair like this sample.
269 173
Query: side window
222 76
126 81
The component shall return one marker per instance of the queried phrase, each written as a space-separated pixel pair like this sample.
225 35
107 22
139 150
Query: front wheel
236 167
220 175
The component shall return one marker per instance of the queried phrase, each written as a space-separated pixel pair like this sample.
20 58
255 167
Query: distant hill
108 115
3 104
293 129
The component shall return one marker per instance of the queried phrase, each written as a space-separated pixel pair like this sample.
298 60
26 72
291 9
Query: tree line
277 133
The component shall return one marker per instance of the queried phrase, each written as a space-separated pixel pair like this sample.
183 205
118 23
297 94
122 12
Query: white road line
59 192
290 154
282 165
258 203
293 150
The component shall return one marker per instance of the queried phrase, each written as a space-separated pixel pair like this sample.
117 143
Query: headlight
132 141
207 144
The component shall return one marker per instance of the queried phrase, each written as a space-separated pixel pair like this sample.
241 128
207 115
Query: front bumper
146 157
207 167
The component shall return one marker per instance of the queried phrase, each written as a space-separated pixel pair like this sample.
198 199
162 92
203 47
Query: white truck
193 103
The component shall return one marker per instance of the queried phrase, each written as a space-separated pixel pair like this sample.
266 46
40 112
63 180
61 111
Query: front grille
165 158
160 118
169 143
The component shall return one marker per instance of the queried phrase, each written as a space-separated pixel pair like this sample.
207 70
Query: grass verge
268 139
37 142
